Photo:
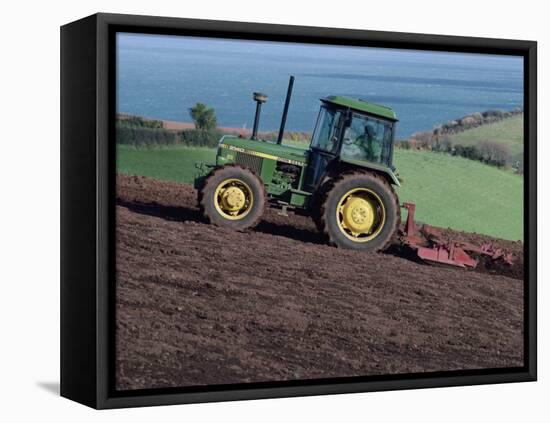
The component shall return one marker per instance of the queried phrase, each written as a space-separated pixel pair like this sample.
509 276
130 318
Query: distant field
508 132
168 163
462 194
449 191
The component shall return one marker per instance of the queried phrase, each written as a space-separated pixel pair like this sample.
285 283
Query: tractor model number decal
263 155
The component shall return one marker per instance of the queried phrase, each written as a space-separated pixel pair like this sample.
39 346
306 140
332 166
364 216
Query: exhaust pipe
259 98
285 110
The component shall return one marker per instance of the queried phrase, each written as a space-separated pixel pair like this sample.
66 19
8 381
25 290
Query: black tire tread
320 212
207 185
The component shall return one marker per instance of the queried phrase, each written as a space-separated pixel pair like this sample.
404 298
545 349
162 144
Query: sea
160 76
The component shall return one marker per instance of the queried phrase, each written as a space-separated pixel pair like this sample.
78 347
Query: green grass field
508 132
448 191
167 163
461 194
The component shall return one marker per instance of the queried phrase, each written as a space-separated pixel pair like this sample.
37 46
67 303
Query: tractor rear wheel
359 211
233 197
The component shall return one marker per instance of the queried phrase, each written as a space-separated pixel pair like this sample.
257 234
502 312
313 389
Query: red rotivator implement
430 246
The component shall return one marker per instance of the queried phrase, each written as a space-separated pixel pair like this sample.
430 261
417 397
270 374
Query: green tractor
344 180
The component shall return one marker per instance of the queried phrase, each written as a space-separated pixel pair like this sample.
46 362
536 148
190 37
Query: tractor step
283 211
430 247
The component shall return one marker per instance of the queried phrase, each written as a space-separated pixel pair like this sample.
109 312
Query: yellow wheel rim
360 214
233 199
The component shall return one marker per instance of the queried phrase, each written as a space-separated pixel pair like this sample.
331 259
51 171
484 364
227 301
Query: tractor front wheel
233 197
359 211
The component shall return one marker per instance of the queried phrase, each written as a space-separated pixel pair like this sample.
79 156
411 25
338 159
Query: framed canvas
257 211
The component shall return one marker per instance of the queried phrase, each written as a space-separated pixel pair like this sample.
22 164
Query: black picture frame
88 201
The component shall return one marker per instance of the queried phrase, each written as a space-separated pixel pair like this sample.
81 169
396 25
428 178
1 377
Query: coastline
174 125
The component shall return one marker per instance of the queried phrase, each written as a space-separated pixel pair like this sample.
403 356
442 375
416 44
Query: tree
204 117
494 153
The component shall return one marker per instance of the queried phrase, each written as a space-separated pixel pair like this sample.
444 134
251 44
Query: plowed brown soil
198 304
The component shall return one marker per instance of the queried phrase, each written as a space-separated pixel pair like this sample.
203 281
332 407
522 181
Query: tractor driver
369 144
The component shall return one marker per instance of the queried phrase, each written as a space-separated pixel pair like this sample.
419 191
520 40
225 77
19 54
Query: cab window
368 139
327 130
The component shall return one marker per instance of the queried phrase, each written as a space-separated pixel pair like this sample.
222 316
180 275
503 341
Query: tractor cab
351 131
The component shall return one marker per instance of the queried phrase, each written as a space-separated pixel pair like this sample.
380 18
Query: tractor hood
265 149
